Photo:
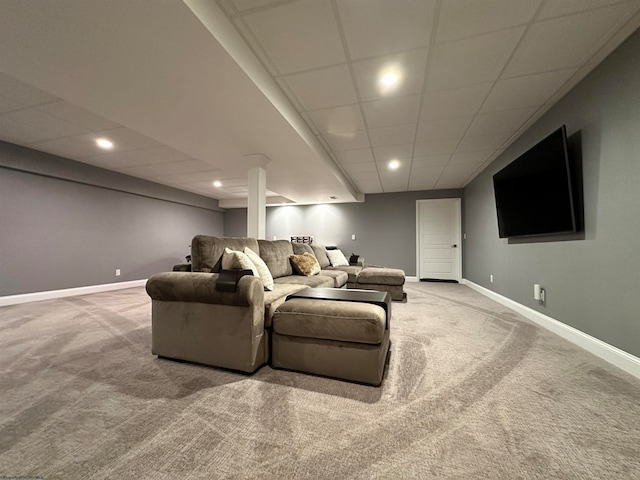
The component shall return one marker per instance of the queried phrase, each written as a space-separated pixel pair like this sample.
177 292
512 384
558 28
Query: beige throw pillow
235 259
305 264
263 270
337 258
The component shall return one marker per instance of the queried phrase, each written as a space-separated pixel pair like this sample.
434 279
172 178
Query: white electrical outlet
353 237
491 278
117 272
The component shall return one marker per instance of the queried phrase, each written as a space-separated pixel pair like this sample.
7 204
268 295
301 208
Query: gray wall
65 224
384 225
592 284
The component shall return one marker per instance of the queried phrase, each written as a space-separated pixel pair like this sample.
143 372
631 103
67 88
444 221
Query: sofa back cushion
321 255
302 248
206 251
275 254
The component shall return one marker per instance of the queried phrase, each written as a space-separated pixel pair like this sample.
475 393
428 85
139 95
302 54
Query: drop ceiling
200 91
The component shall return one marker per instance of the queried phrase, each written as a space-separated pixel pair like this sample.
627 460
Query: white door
439 239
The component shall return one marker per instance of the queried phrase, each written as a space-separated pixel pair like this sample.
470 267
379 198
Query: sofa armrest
182 267
201 287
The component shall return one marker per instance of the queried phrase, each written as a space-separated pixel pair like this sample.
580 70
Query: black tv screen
534 193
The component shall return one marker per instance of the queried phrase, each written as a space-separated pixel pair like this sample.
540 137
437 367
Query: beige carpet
472 391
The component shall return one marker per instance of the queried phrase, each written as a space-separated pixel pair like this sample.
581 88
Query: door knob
454 246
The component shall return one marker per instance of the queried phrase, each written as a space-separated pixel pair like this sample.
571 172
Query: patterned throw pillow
337 258
263 270
235 259
305 264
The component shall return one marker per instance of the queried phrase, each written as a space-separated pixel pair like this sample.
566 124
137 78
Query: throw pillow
337 258
305 264
321 255
235 259
263 270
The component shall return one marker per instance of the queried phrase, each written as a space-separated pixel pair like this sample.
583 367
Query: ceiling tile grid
471 75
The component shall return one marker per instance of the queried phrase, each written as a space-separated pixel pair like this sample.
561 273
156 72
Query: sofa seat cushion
340 278
275 254
314 281
381 276
275 298
331 320
352 271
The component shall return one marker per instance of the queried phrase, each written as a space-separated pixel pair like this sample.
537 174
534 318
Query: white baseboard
621 359
410 279
67 292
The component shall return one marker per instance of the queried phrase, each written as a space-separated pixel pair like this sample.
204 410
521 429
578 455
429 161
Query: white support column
257 201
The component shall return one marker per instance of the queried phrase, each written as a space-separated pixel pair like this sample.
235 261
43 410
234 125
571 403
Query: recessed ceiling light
389 78
217 184
394 164
104 143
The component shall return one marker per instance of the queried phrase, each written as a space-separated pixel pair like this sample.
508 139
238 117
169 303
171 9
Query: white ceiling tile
323 88
424 178
465 18
48 126
471 158
438 147
473 60
22 92
167 153
527 91
172 168
391 152
355 156
199 178
430 161
123 137
20 134
338 119
557 8
76 115
394 135
298 36
243 5
392 111
445 129
457 102
7 105
124 159
368 184
500 122
409 66
454 176
75 147
347 140
379 27
359 168
485 142
565 41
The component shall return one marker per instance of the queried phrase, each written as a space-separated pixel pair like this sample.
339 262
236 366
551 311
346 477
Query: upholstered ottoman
348 340
382 279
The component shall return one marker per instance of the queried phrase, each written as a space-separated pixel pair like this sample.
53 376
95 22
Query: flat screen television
536 194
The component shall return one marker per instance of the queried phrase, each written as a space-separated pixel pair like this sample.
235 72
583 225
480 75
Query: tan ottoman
382 279
341 339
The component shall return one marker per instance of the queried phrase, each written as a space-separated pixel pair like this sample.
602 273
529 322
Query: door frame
457 234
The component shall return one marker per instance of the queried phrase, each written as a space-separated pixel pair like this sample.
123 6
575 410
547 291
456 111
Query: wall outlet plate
117 272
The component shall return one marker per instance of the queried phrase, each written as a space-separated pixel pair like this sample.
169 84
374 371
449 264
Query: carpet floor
472 391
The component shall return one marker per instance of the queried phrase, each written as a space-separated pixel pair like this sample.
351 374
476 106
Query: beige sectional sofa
193 320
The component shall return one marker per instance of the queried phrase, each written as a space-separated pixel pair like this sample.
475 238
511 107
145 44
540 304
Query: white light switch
353 237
